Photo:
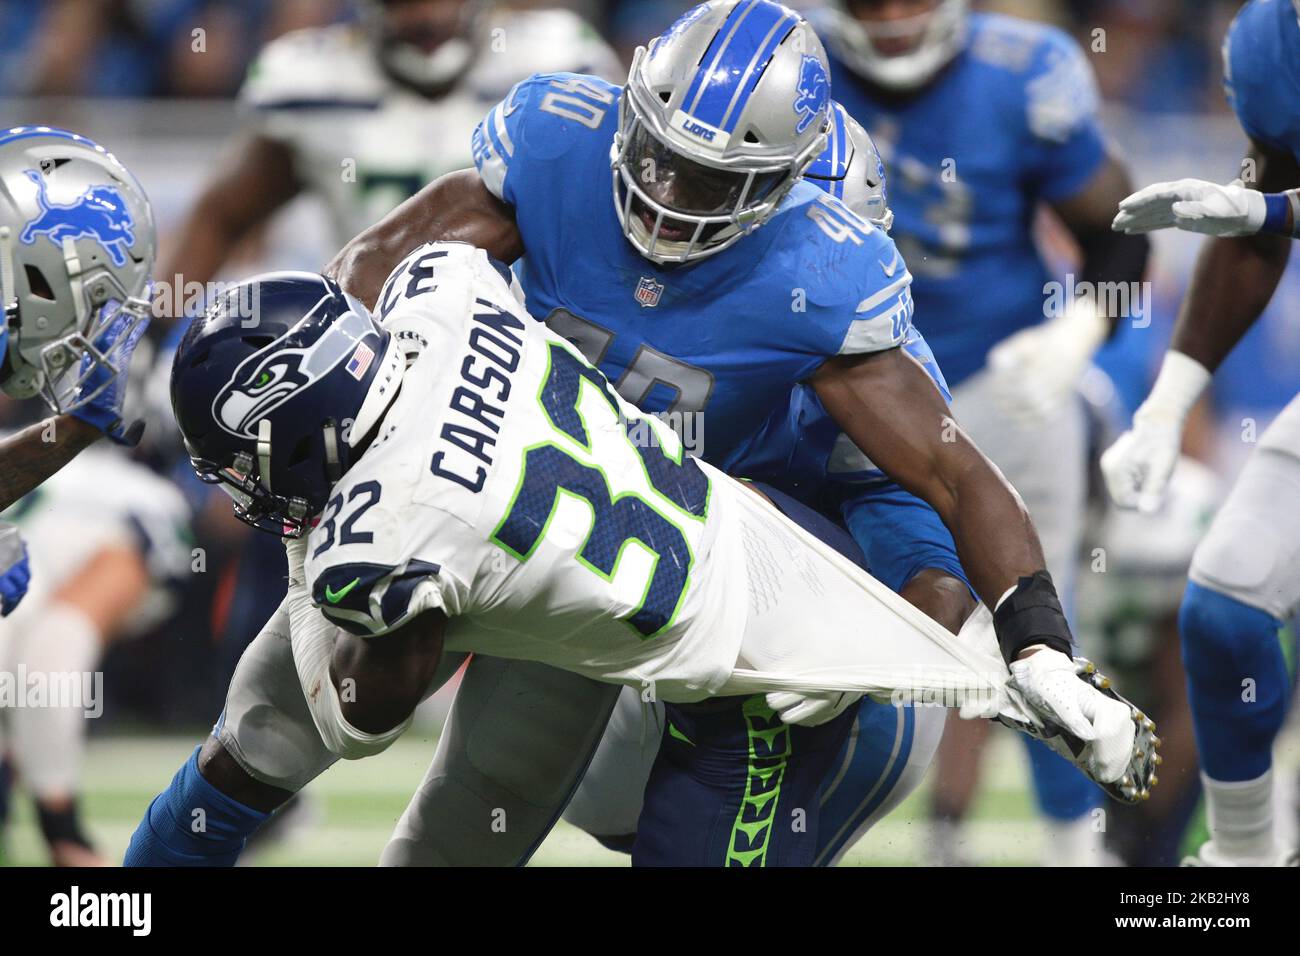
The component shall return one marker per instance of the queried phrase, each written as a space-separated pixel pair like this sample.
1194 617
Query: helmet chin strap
333 468
72 262
8 287
264 452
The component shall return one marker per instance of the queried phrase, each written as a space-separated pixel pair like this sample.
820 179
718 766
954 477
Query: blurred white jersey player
362 115
105 536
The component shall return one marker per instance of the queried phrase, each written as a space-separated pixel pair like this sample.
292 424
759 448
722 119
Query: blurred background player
1133 569
106 536
362 114
1245 575
981 120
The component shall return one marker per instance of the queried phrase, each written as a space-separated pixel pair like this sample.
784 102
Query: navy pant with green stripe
733 786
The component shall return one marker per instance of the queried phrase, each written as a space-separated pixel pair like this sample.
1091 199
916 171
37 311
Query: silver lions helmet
76 252
898 54
850 169
720 117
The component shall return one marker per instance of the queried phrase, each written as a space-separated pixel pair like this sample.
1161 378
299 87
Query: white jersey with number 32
511 488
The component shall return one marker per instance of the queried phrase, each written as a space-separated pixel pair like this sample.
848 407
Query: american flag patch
361 360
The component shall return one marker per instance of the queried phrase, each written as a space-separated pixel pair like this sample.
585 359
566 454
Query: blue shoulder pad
1061 103
1061 95
858 288
1261 73
539 120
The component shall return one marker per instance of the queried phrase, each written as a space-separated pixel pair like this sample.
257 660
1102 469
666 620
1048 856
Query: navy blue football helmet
276 389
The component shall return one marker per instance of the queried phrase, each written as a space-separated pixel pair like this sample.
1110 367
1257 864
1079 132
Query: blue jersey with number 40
728 336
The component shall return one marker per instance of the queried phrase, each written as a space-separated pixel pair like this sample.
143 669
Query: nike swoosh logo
891 268
335 596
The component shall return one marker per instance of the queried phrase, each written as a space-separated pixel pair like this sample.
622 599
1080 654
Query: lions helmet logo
813 93
99 213
272 375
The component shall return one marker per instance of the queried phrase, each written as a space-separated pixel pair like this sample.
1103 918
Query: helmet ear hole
39 285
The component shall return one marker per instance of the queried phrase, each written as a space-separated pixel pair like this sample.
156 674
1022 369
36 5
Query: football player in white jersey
364 114
475 485
107 536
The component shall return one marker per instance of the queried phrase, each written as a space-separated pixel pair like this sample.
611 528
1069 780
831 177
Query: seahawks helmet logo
276 373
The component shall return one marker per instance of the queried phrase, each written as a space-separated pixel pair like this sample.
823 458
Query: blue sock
1063 792
1226 643
174 832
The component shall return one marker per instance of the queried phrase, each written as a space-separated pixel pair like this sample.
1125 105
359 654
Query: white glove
1037 369
1193 205
1051 687
810 710
1138 466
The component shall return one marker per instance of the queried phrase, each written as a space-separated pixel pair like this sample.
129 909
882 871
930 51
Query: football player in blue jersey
983 119
76 250
891 748
707 285
1245 577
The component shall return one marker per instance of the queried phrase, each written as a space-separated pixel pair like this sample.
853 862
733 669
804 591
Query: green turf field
356 803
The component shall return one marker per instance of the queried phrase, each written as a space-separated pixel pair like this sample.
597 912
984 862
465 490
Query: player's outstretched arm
361 692
1235 278
32 455
456 207
388 675
892 410
1233 281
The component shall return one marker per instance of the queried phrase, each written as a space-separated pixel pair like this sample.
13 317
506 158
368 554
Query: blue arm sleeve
900 535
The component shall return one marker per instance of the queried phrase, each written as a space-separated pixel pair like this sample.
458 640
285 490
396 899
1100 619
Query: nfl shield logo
648 292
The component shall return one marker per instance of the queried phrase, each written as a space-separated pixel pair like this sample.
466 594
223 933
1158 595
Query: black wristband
1031 614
